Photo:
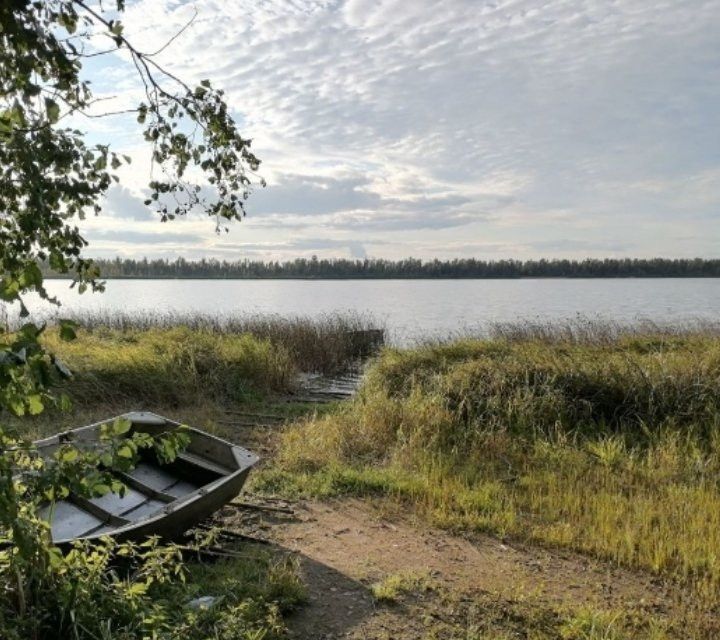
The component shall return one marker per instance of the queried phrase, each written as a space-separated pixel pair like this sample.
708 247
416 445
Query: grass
327 344
609 446
395 585
436 611
171 366
174 360
600 439
488 616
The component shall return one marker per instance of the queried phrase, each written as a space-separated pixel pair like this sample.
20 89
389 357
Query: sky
448 129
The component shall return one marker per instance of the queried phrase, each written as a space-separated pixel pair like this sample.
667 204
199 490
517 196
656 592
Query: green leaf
9 288
68 21
64 402
35 404
67 330
137 589
101 489
116 27
121 426
55 557
67 454
52 109
31 276
125 452
16 405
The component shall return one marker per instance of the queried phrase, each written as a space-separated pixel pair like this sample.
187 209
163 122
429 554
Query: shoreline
376 278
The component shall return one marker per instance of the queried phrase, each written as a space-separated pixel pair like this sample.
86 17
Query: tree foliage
50 177
412 268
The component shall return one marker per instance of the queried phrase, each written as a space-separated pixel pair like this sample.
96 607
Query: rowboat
161 499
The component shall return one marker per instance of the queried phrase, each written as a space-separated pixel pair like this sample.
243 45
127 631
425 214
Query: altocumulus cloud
504 123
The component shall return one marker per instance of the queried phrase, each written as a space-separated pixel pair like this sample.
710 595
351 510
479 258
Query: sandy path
346 545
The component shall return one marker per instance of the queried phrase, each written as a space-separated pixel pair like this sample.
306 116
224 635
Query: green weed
394 586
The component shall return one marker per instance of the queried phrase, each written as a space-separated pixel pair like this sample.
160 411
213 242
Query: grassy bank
174 360
597 441
324 344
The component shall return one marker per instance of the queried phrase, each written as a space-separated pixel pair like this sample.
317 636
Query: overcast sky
390 128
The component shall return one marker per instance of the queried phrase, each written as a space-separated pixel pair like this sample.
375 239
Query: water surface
414 309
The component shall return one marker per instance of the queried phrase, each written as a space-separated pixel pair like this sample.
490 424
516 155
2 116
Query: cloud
355 248
484 118
143 237
120 202
572 245
312 195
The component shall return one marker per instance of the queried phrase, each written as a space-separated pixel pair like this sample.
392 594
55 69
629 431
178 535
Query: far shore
583 277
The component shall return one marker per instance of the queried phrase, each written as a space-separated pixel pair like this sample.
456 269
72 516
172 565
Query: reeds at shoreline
324 344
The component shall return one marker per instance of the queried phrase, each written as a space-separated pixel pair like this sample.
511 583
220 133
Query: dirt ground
463 587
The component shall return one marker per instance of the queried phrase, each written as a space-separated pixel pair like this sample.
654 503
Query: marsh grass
607 446
170 367
596 330
173 360
326 344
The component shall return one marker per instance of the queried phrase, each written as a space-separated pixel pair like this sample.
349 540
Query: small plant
589 624
394 586
610 451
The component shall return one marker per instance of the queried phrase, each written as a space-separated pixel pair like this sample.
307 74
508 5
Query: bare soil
469 586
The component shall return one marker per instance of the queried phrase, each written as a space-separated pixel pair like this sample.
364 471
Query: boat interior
151 487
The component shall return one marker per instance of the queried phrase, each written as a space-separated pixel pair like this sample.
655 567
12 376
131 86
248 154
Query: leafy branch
50 178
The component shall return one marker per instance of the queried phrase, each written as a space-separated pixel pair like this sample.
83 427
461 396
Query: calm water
414 309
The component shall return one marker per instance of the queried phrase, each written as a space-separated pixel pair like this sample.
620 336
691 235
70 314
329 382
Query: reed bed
170 367
591 330
167 359
594 439
324 344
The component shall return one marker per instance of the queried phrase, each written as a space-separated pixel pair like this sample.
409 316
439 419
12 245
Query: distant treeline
412 268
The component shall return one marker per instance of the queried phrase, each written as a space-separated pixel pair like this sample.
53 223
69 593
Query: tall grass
325 344
167 359
170 367
608 443
589 330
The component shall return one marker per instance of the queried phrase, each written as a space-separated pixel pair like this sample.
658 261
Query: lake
414 309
